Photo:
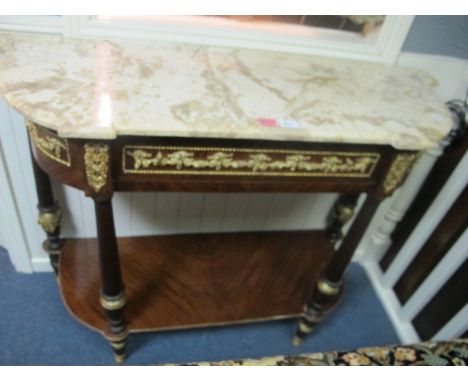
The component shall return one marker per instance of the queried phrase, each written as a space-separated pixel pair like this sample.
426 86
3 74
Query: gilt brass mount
96 159
50 221
398 171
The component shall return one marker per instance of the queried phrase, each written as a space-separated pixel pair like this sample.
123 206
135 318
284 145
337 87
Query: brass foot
305 327
296 341
119 358
118 348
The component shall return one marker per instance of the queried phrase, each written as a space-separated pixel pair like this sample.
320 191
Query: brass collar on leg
304 328
118 345
113 303
328 288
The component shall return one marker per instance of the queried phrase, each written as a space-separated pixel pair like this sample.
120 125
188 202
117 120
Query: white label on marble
289 123
438 117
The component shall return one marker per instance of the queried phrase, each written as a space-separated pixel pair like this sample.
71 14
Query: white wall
11 228
21 234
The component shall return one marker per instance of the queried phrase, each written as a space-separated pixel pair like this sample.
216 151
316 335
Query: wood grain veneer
181 281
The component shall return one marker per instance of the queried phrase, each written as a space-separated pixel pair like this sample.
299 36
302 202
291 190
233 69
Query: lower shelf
184 281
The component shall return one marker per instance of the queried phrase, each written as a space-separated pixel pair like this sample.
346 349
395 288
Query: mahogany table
181 281
100 120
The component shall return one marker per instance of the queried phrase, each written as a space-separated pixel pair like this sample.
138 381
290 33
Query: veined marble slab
101 89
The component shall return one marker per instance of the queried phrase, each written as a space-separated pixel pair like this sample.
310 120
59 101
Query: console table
110 116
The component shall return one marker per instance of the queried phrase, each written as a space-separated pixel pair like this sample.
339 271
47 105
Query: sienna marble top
100 89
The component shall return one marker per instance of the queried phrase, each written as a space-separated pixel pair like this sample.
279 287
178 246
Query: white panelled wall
162 213
172 212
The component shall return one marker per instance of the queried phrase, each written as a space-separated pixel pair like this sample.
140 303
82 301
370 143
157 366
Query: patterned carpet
452 353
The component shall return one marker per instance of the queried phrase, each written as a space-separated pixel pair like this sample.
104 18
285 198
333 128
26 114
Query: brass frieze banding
96 159
51 146
398 171
246 162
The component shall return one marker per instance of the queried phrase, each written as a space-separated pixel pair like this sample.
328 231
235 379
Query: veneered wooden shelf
194 280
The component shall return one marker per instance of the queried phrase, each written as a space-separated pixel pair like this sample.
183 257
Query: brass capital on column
400 167
344 212
50 221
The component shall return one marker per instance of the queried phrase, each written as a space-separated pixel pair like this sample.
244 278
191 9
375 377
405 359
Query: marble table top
100 89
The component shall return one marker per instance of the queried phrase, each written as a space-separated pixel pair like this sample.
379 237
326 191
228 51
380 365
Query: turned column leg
112 289
327 290
50 215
